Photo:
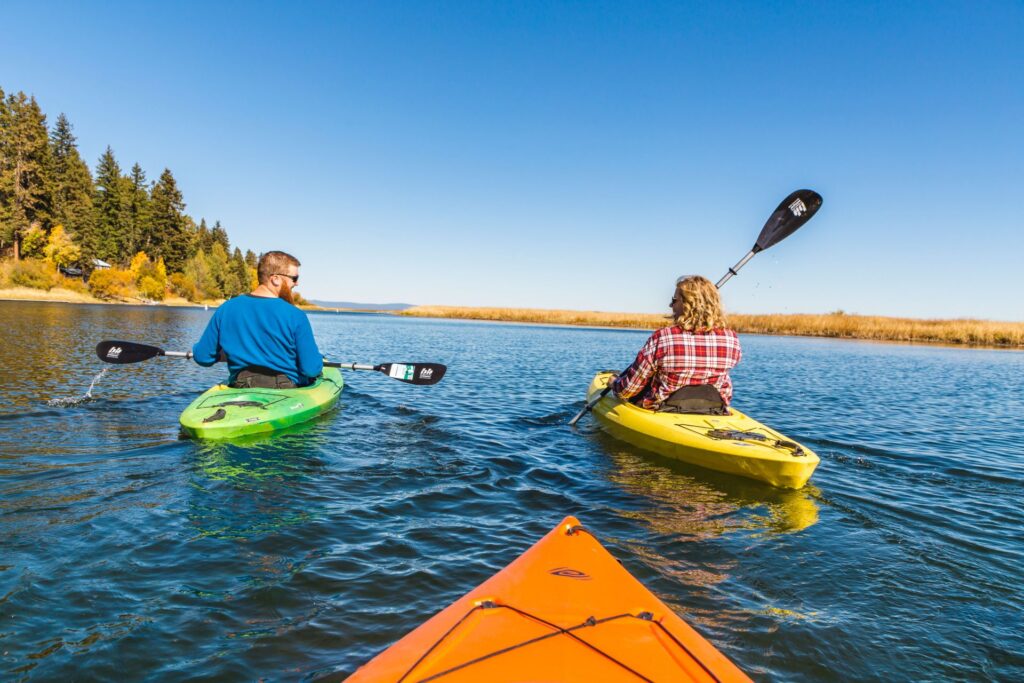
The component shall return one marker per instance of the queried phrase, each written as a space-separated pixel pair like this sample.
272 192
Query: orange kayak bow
564 611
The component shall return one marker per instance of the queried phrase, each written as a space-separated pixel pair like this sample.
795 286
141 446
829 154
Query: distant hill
352 305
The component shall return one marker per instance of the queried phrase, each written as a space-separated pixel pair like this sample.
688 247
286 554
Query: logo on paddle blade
114 352
401 371
798 208
569 573
426 373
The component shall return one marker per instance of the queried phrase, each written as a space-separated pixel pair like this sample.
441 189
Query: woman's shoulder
676 330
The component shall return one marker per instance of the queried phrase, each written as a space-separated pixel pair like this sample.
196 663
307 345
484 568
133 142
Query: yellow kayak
733 443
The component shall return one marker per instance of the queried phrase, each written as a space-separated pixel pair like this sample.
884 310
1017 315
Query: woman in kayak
685 368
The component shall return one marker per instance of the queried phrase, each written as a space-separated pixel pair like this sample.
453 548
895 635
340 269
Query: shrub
112 283
73 284
183 287
33 273
151 288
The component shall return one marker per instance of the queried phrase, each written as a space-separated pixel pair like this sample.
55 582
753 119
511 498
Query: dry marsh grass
838 324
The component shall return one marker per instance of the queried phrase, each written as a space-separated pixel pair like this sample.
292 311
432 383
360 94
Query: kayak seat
696 399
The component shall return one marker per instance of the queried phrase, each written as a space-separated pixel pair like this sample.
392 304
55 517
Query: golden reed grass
838 324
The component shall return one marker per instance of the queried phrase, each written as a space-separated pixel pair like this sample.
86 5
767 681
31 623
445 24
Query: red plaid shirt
674 358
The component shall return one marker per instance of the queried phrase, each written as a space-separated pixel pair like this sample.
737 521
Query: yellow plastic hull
685 437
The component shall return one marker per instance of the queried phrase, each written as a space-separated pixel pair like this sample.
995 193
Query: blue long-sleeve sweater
261 331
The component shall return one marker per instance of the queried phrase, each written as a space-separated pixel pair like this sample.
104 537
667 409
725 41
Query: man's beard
286 294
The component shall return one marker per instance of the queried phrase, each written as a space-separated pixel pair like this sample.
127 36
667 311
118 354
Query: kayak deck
565 610
222 412
734 443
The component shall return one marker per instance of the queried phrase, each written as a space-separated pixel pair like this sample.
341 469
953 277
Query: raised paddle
123 352
792 212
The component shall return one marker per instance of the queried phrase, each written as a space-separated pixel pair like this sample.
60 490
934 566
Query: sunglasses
293 278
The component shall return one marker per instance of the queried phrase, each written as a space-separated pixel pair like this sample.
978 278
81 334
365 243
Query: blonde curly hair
702 307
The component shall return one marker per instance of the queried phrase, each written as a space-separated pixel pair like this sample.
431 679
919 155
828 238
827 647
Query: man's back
261 332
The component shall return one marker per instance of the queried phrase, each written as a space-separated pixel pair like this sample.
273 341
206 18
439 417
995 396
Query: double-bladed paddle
123 352
792 212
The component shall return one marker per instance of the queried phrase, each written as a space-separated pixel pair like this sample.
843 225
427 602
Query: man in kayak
685 368
267 341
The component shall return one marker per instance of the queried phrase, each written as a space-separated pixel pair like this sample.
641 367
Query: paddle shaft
734 270
123 352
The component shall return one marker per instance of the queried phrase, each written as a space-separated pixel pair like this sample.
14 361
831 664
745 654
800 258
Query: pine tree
6 180
110 235
250 258
72 182
204 240
241 271
220 236
140 236
25 169
172 239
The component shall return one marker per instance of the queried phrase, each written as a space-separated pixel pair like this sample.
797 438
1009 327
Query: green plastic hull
225 413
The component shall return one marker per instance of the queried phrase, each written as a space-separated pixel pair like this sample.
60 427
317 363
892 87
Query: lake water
127 553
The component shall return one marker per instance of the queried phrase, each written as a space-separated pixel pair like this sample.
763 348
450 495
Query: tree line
56 213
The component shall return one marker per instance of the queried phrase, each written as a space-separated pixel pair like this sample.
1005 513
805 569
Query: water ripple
126 552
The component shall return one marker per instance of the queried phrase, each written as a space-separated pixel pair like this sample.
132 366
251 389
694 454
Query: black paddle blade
414 373
122 352
794 211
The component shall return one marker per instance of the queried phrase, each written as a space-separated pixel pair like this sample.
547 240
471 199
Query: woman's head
696 305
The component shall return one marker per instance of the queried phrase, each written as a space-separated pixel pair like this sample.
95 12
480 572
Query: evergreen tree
250 258
140 237
109 238
204 240
220 236
5 168
72 182
220 270
240 274
172 239
25 169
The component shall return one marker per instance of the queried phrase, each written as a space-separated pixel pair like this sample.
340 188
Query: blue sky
569 154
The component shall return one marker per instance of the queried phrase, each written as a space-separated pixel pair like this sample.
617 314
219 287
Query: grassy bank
841 325
70 296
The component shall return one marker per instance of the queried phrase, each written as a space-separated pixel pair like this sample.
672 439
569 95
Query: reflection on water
127 553
696 504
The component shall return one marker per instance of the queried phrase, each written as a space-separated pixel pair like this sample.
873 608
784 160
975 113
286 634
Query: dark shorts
261 378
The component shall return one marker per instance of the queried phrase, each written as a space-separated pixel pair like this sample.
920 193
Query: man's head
278 272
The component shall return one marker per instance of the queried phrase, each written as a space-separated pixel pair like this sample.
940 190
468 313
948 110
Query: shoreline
956 333
67 296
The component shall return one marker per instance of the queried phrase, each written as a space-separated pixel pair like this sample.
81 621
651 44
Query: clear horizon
569 156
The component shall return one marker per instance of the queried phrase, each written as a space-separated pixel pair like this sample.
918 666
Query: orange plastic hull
564 611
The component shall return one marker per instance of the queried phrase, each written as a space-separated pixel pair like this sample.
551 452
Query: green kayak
225 413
